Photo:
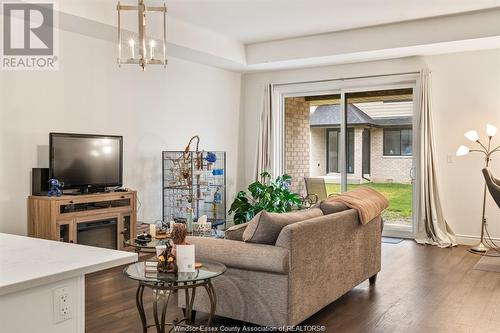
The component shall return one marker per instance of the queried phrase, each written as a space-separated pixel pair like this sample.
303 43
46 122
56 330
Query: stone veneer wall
297 142
387 168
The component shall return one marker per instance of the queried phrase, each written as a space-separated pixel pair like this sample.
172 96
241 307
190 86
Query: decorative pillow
265 227
236 232
332 207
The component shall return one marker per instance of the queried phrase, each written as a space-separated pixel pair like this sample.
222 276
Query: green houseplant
270 195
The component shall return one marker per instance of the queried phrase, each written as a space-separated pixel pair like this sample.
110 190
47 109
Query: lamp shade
462 150
491 130
472 135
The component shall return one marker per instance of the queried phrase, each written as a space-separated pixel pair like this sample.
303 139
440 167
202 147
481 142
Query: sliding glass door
379 146
350 133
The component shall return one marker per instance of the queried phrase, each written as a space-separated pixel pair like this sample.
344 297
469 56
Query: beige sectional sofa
312 263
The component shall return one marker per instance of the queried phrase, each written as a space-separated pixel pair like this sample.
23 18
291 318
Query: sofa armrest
327 234
238 254
329 255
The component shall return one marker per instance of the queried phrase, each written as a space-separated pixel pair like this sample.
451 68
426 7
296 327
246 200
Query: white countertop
30 262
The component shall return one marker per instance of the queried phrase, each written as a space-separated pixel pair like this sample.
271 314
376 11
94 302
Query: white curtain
263 160
431 224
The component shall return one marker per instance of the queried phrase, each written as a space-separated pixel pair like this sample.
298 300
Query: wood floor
420 289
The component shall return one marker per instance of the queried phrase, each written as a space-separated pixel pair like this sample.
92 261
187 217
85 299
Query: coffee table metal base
189 291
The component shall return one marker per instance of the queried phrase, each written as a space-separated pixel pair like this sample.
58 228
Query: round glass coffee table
165 284
146 246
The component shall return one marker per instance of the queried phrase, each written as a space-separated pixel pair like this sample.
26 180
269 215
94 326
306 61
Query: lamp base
481 248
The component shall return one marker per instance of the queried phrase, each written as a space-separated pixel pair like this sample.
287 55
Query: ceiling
251 21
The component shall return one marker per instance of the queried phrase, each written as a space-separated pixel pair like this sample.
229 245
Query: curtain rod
346 78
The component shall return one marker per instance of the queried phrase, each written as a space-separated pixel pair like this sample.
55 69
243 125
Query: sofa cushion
332 207
241 255
236 232
265 227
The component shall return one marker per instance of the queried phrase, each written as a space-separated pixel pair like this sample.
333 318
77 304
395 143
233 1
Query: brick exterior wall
387 168
318 153
383 168
317 165
358 152
297 142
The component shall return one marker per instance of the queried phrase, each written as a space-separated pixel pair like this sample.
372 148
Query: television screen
81 160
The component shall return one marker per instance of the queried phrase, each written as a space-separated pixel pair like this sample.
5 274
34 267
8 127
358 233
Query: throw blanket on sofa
368 202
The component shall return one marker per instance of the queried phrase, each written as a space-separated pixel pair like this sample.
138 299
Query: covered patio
378 151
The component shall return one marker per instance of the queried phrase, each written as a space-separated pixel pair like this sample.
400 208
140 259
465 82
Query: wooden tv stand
57 218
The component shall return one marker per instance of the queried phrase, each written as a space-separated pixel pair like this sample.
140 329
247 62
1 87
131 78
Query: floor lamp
488 151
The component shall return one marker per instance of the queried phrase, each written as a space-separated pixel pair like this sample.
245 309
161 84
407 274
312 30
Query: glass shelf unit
197 181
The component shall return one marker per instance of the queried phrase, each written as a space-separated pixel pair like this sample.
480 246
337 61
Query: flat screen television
86 161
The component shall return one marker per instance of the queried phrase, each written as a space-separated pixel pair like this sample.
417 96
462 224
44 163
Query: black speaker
40 181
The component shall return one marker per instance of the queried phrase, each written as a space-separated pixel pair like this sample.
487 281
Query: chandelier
140 51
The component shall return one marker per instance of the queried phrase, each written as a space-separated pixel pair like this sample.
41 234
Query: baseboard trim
461 239
473 240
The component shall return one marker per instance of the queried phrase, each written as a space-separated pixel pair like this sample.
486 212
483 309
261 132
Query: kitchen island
42 282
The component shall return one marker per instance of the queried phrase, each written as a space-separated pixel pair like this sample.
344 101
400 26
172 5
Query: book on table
151 262
152 274
151 265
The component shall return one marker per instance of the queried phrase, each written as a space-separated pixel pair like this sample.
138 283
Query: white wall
37 303
465 95
465 90
154 111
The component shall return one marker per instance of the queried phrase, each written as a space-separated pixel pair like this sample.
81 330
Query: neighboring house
379 142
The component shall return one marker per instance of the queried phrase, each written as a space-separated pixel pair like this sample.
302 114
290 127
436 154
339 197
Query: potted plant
270 195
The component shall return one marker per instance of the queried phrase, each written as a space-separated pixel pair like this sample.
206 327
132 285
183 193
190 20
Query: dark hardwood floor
420 289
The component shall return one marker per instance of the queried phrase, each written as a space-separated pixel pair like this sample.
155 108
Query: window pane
333 151
406 142
392 142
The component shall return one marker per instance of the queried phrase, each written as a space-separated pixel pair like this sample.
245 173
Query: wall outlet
62 304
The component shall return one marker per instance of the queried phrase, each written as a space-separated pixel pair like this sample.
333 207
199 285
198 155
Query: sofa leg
373 279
